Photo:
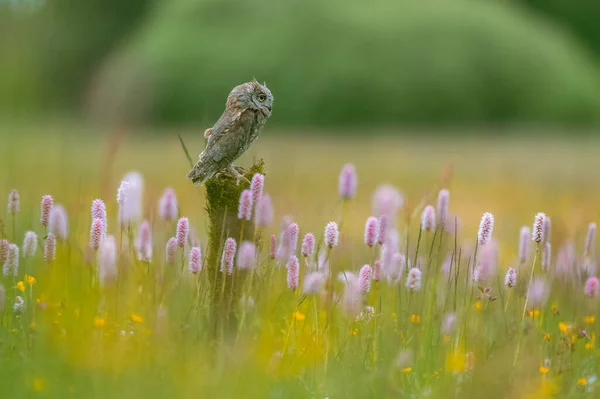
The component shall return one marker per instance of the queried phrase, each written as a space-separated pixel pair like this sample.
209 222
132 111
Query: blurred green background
330 63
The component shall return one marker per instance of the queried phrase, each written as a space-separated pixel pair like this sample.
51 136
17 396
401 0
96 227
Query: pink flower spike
383 229
246 255
332 234
30 244
524 244
99 210
308 245
364 279
511 277
314 283
486 227
590 239
293 232
122 193
428 219
263 212
272 246
293 271
11 265
371 230
547 229
107 260
546 256
442 206
58 223
592 287
387 200
413 280
228 256
50 248
171 251
45 207
377 270
143 242
245 206
97 232
183 228
195 263
256 186
537 233
167 206
348 182
14 203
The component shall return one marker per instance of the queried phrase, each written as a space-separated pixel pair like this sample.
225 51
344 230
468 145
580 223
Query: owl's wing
227 135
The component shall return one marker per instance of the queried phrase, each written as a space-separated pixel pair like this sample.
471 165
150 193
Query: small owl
247 108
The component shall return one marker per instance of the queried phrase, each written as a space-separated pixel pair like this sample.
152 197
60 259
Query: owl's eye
261 97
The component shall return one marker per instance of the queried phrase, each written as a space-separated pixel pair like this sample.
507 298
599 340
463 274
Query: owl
247 109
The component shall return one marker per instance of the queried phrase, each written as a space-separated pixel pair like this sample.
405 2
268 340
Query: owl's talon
238 175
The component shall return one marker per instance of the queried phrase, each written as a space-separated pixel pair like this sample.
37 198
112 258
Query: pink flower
107 260
547 229
314 283
272 246
351 299
538 293
348 182
245 206
546 256
258 182
377 270
168 206
4 245
413 280
246 255
383 229
14 203
371 230
524 244
486 227
97 232
308 245
171 251
442 206
487 262
293 232
331 234
122 193
387 200
428 219
99 210
11 265
45 207
592 287
58 223
50 248
228 256
195 262
537 234
183 228
30 244
143 242
293 273
263 212
364 279
511 276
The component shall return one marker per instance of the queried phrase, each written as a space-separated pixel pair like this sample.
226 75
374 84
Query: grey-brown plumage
247 108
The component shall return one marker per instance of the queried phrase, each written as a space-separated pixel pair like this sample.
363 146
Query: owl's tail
200 173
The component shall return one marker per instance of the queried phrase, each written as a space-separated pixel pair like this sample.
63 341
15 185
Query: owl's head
251 95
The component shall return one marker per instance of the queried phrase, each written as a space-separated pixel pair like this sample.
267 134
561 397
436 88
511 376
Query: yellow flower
99 322
39 384
565 328
589 319
30 280
415 318
136 318
573 338
407 370
544 370
589 345
478 305
355 331
21 286
547 337
299 316
535 313
582 382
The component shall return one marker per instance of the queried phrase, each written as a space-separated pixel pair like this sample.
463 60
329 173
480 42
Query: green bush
350 63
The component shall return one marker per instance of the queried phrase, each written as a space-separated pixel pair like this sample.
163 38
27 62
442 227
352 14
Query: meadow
138 323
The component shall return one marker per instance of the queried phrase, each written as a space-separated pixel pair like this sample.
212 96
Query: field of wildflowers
369 269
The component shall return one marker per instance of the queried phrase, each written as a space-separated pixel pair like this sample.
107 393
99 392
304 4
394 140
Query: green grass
155 340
